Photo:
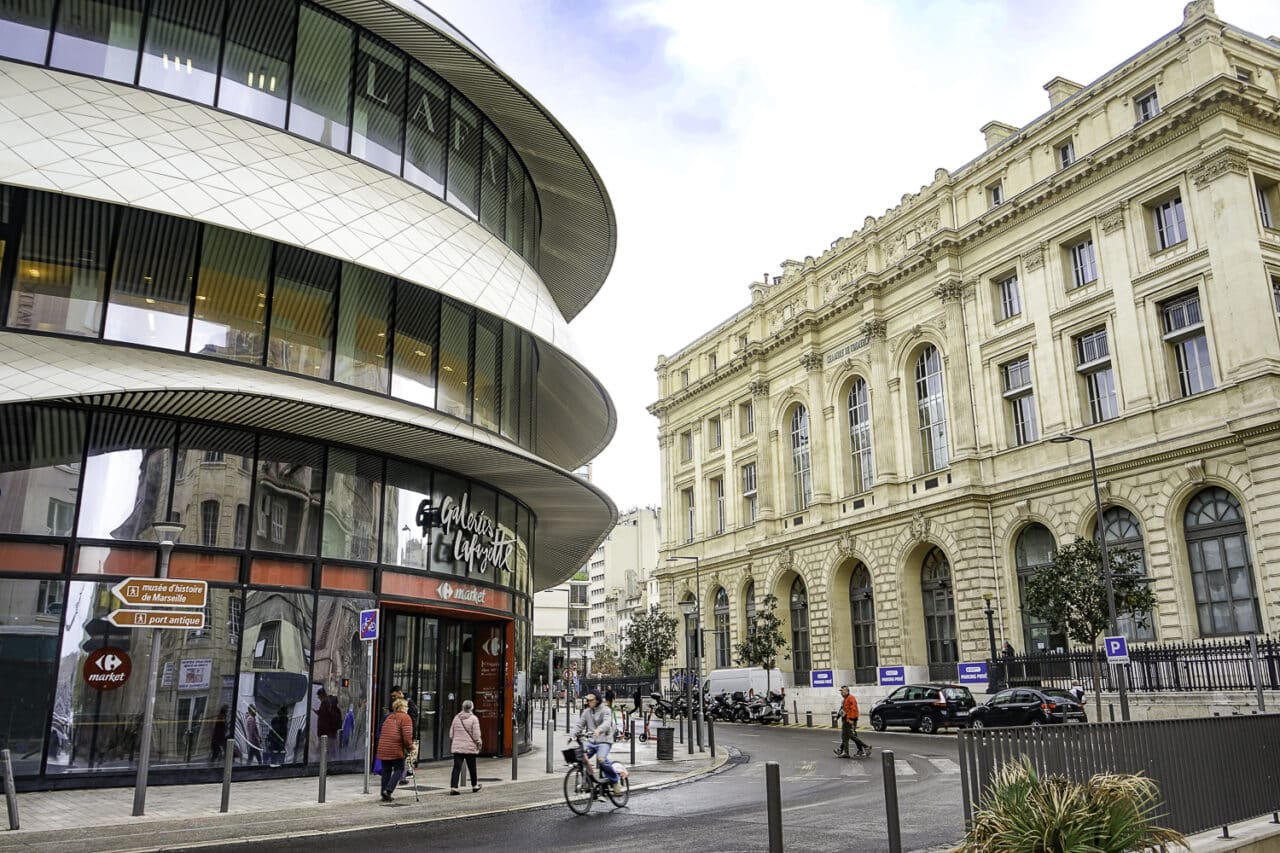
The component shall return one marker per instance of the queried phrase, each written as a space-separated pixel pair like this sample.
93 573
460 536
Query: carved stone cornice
759 387
875 330
1224 162
811 361
1112 220
1033 259
951 290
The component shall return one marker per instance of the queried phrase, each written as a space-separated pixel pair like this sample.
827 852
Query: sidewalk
187 815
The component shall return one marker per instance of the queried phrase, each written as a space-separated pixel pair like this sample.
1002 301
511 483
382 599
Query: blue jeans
601 752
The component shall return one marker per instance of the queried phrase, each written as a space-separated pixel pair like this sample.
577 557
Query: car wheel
978 723
1035 724
877 722
928 724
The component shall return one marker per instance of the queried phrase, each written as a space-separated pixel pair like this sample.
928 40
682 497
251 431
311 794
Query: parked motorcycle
720 707
661 707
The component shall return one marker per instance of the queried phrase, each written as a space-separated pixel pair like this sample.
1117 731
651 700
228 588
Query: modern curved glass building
298 276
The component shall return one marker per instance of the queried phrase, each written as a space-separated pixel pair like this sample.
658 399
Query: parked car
1028 706
924 707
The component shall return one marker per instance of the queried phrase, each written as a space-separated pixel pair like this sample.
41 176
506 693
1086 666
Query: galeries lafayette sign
477 541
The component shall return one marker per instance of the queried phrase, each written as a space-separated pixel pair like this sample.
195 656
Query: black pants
848 733
391 772
456 776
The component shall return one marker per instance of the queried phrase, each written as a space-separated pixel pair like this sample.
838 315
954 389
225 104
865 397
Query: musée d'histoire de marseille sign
472 538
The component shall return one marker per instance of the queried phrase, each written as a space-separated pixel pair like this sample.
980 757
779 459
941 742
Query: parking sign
973 673
1117 649
892 676
821 678
368 624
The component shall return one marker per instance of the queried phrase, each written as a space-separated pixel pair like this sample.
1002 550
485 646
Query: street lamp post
168 534
1106 565
568 685
995 677
697 629
687 608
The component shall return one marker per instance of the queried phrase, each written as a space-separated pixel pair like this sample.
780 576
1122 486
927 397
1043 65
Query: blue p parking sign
1117 649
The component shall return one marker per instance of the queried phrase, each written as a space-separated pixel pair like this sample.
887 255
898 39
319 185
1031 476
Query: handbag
377 765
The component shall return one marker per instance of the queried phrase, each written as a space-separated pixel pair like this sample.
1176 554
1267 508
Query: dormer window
995 193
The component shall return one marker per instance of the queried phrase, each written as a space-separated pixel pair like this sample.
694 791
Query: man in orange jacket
849 713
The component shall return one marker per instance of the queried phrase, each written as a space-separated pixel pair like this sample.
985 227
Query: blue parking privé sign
892 676
973 673
368 624
1117 649
821 678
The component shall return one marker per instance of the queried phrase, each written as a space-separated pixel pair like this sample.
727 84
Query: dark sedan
923 707
1028 706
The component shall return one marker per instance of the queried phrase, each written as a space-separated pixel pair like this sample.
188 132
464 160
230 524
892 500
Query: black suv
924 708
1028 706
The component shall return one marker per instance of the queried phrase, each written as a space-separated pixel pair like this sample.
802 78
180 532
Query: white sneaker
617 788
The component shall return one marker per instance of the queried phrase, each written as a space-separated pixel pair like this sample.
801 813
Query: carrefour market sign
477 542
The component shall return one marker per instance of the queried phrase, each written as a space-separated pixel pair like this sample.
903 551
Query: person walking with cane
849 713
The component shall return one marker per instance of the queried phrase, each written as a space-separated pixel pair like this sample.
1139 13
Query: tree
606 662
764 639
1071 594
651 639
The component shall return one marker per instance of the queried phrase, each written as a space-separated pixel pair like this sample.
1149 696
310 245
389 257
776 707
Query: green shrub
1111 813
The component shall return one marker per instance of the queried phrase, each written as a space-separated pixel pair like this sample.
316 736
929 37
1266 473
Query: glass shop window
351 506
322 79
231 296
485 401
40 451
455 347
409 516
427 133
378 121
215 468
126 478
301 335
364 314
286 513
151 282
98 37
413 376
255 64
464 157
181 54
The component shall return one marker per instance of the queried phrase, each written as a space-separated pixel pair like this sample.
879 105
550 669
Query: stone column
1035 295
765 440
1130 359
886 428
955 360
819 425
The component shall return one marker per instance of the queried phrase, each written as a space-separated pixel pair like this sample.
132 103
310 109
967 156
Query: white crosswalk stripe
945 765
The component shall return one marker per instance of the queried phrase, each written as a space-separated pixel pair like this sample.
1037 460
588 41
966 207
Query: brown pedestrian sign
161 592
191 620
107 668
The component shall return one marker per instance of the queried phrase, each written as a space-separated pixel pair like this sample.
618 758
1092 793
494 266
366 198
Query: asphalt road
828 804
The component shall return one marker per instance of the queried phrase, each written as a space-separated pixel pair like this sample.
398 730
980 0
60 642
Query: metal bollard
551 738
891 801
711 736
324 764
808 719
10 793
786 717
773 793
633 739
795 711
515 752
229 748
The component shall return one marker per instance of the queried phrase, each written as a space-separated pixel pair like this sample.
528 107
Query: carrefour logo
466 594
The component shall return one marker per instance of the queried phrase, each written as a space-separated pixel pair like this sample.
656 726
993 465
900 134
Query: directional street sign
190 620
368 624
1117 649
161 592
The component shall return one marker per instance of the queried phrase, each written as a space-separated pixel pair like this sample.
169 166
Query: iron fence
1211 771
945 671
623 686
1201 665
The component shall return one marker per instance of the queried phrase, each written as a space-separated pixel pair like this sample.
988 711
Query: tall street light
994 679
168 533
1106 564
697 635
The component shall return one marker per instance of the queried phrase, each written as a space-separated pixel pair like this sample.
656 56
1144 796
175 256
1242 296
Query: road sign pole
149 709
368 735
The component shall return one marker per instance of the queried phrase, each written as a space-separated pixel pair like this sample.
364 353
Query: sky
734 135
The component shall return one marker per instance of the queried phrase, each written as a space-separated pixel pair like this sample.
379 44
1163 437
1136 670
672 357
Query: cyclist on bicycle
596 723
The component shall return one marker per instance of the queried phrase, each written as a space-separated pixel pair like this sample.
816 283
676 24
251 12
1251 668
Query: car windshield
1058 693
957 693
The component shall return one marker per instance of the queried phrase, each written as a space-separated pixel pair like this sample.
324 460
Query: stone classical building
868 440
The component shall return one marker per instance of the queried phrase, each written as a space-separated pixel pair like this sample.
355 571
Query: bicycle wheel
578 791
619 800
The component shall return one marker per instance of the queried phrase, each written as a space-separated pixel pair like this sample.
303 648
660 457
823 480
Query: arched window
859 406
1033 552
931 410
210 513
1221 570
721 611
800 632
749 598
801 477
939 614
862 620
1124 531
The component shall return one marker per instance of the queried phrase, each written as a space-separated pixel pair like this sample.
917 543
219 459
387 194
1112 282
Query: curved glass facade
294 66
72 266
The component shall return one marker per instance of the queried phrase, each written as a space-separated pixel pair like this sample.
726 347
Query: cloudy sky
734 135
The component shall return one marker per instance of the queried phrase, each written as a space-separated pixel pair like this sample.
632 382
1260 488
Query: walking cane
413 760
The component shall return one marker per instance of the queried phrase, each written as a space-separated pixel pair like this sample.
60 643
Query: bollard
711 736
551 737
682 732
324 765
795 711
229 748
10 793
891 801
808 719
773 793
515 753
786 716
633 739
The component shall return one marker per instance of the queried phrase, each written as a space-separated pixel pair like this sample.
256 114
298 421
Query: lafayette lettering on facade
476 538
847 349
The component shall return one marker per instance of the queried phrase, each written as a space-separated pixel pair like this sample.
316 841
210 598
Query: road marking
946 765
853 769
902 768
810 805
805 766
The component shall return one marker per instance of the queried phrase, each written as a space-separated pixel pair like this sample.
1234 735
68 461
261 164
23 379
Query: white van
744 679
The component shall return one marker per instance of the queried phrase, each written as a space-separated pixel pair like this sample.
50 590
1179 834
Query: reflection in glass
530 241
510 381
98 37
211 487
363 315
301 336
39 470
378 118
455 347
255 68
231 295
351 506
515 201
428 130
524 550
485 396
529 388
464 157
31 613
445 486
339 705
409 509
24 29
181 55
66 246
273 707
287 496
322 79
126 478
151 282
493 179
506 521
417 327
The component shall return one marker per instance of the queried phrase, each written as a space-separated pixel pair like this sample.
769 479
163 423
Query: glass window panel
530 223
1221 617
413 376
99 38
525 533
427 134
322 79
408 515
62 265
126 478
301 336
274 700
1217 582
31 612
506 533
485 397
483 500
515 200
24 28
1241 582
287 496
151 282
455 347
214 474
352 501
339 677
528 396
181 54
493 180
255 64
1246 619
464 157
441 559
1235 551
510 381
40 451
378 118
364 312
1212 554
231 295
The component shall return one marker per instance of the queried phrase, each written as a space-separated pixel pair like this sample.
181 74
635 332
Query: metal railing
944 671
1211 771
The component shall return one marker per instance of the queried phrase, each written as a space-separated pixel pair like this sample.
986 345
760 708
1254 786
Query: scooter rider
596 722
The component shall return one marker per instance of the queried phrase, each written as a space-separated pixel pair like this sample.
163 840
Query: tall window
717 495
1147 106
1170 223
1066 154
859 408
801 475
800 632
746 418
862 620
939 614
1185 335
1093 364
1032 553
1123 531
1264 204
255 67
209 518
302 321
1019 393
749 501
49 597
1221 569
322 79
378 114
690 516
721 613
686 446
181 55
714 432
749 607
1010 297
931 410
1084 267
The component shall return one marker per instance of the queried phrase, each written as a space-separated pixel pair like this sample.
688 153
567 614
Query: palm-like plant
1025 813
